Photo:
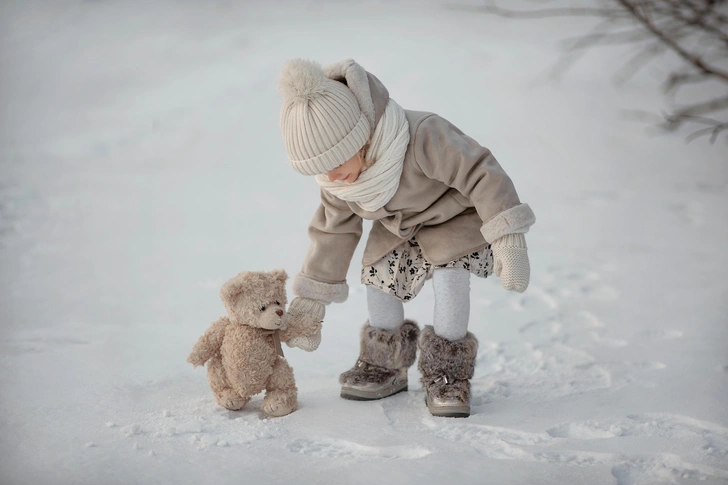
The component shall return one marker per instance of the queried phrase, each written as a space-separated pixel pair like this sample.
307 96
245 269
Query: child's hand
510 262
308 343
303 323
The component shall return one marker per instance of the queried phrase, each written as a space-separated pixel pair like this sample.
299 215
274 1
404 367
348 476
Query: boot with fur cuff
447 367
384 358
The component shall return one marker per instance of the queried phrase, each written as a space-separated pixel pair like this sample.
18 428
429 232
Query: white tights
452 304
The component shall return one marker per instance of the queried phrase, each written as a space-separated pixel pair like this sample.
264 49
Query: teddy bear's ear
232 287
279 274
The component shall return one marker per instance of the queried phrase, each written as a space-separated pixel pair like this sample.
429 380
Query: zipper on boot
446 407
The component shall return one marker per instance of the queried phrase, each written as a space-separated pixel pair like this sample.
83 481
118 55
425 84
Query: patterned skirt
404 270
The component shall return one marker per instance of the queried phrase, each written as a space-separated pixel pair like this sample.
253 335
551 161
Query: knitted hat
321 122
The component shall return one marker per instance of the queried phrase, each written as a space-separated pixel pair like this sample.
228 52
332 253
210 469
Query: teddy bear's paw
231 400
278 404
234 405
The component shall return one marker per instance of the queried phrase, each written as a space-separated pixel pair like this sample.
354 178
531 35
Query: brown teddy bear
243 349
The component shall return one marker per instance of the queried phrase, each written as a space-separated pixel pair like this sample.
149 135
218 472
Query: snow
141 166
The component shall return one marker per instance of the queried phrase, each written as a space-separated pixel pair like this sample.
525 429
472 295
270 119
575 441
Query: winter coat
453 195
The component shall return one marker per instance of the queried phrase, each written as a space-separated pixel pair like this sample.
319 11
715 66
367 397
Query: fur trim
514 220
366 374
448 391
358 83
301 79
326 293
440 357
390 349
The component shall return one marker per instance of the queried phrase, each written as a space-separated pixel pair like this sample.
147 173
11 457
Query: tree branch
545 12
695 112
713 131
637 62
674 46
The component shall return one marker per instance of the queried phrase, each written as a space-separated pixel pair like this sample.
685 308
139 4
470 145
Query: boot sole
448 411
354 394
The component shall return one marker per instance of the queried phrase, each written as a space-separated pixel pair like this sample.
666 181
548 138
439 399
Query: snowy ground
141 166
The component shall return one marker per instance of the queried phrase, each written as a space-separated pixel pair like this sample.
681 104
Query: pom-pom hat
321 122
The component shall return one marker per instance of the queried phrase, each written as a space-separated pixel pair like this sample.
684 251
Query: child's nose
332 176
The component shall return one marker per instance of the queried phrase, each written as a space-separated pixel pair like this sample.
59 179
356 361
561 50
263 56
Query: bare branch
696 31
545 12
567 61
676 80
637 62
713 131
709 9
699 109
674 45
608 38
698 19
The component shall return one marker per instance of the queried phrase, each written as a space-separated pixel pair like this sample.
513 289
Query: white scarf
378 184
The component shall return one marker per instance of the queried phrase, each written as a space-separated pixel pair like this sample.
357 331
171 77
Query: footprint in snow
491 441
579 329
566 282
713 437
536 298
546 369
664 468
336 448
199 423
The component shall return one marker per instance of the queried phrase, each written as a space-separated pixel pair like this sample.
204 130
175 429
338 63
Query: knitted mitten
305 312
510 262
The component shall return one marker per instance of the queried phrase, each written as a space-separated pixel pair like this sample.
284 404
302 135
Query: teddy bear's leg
280 392
225 395
230 399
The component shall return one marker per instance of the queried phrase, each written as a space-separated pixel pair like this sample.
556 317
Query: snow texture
141 166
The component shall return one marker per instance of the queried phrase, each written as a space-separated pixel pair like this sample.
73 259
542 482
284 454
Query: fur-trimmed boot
447 367
384 358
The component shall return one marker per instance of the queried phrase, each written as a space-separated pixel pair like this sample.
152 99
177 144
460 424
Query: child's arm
335 232
445 153
209 343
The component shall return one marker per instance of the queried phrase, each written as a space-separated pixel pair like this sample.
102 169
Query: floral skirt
404 270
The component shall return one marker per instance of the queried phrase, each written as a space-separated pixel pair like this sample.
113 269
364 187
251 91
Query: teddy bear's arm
209 343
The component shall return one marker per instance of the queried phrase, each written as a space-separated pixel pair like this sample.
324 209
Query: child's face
348 171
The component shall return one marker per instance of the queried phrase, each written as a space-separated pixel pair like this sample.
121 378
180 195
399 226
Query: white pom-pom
301 79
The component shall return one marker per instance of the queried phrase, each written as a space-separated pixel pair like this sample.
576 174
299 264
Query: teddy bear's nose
279 313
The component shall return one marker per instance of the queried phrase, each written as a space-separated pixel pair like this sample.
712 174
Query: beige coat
453 194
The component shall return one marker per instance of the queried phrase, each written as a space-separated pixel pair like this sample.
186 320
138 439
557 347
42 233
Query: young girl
442 208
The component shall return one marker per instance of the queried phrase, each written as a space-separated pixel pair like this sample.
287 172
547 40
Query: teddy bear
243 349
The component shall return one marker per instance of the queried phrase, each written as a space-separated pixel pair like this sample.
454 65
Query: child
441 207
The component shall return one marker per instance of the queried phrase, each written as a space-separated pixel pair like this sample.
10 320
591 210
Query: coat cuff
515 220
315 290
